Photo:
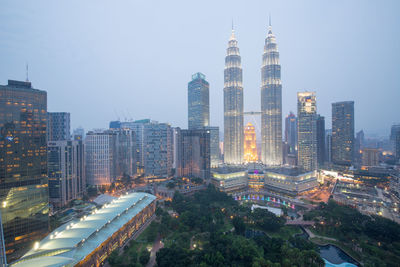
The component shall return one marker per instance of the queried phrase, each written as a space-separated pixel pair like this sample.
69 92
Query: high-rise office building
233 104
198 102
110 154
250 144
271 103
199 113
24 193
154 142
307 130
125 152
320 140
100 157
58 126
395 140
291 133
158 149
66 171
193 153
138 127
215 154
343 133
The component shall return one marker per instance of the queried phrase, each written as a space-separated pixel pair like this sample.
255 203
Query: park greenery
372 239
212 229
134 254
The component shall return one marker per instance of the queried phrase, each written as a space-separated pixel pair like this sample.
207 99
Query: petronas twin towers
271 104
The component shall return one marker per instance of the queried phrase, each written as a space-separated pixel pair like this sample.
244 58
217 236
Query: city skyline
144 135
80 69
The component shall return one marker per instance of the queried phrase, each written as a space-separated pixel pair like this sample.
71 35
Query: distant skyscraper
66 171
343 133
358 146
320 140
395 140
58 126
214 145
307 130
271 103
250 145
198 102
78 134
291 132
115 125
233 104
370 157
328 145
193 153
24 193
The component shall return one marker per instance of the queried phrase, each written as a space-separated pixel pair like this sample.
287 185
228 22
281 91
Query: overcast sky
104 60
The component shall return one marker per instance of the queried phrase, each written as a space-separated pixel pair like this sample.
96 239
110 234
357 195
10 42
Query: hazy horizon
102 61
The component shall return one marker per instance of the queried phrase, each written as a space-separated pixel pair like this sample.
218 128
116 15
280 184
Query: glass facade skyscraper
307 130
233 104
198 102
193 153
214 146
395 140
291 133
271 103
343 133
24 199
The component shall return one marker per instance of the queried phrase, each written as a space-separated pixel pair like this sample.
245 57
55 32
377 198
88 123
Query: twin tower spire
271 103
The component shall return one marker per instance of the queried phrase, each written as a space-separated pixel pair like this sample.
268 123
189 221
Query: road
157 245
312 235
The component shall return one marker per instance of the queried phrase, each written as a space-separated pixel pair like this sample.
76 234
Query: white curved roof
72 242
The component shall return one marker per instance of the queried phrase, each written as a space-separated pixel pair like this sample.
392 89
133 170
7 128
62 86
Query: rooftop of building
290 171
20 85
72 242
229 169
256 168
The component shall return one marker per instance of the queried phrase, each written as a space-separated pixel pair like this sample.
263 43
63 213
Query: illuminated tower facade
250 146
271 103
24 194
233 104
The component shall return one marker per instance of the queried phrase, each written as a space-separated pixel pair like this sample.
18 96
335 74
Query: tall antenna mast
27 72
270 19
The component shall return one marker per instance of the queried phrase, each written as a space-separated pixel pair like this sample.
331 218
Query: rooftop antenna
270 19
232 24
27 72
